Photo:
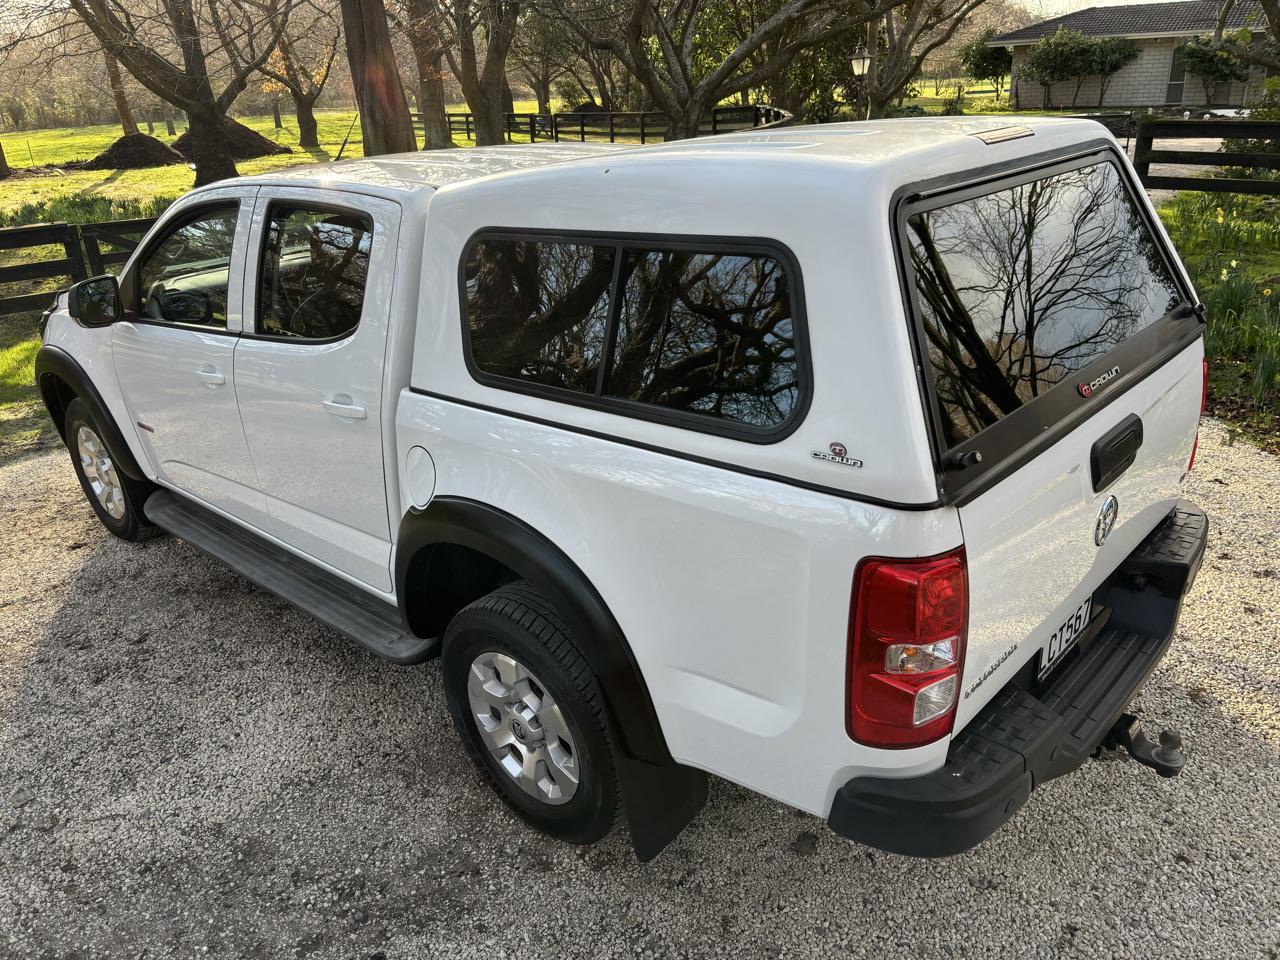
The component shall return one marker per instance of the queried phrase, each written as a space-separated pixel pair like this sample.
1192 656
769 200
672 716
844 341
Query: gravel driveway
188 768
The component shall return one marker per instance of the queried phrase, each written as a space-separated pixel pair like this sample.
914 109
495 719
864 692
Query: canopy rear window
1020 289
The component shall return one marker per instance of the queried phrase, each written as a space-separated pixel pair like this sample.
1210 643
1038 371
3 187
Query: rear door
1063 368
309 372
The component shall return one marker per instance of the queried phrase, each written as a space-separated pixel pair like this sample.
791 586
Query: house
1156 76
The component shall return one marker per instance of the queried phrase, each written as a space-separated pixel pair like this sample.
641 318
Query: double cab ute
843 462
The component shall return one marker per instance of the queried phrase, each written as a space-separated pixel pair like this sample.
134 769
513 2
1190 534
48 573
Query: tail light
1204 402
907 631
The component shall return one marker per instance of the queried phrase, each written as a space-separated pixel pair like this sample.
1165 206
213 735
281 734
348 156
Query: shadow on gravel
191 767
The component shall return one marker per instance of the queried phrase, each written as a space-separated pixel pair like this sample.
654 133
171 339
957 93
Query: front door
174 352
309 372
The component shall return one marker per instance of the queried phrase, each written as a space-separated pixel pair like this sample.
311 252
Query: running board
370 622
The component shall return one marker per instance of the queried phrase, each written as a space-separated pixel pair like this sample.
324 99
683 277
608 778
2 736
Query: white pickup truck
841 462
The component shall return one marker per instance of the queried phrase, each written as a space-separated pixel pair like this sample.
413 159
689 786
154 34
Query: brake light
907 629
1204 402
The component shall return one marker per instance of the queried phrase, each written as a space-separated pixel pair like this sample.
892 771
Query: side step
370 622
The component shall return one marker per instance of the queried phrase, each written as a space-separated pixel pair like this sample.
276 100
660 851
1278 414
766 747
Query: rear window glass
537 311
1019 288
705 332
693 332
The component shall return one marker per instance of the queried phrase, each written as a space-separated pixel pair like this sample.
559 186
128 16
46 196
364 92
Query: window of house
1177 78
1019 288
696 334
184 277
315 265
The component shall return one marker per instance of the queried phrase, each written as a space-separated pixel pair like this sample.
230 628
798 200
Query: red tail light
1204 402
907 631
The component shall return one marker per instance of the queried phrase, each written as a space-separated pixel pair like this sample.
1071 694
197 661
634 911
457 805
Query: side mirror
95 302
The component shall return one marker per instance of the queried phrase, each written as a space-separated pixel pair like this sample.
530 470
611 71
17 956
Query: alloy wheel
100 472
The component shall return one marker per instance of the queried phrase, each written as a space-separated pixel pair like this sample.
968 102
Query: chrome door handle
345 408
211 375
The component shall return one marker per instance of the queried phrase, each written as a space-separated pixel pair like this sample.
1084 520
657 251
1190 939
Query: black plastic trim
679 454
1028 734
1026 433
661 796
52 361
635 409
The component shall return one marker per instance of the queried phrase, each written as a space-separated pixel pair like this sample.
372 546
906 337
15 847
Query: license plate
1064 638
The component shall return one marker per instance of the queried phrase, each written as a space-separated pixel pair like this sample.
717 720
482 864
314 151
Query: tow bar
1166 759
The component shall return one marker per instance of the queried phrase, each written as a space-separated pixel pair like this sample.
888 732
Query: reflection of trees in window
1021 287
314 273
185 278
710 333
537 311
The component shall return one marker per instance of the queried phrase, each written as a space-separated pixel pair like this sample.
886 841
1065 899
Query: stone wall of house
1142 82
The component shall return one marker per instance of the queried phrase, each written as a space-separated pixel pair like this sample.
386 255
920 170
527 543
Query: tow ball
1165 758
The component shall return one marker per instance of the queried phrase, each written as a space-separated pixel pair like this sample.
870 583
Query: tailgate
1063 370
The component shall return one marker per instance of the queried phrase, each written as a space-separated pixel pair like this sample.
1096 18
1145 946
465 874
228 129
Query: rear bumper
1026 736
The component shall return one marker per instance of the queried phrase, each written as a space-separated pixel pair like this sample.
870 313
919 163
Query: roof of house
1174 18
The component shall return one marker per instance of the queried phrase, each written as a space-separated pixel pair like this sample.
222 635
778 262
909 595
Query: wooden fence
1151 130
87 251
614 127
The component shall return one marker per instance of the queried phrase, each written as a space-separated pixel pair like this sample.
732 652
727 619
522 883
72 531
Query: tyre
530 713
114 497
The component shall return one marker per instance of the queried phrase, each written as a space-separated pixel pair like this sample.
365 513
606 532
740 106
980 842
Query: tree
1241 42
418 21
1211 64
899 42
981 61
4 164
541 54
163 47
1064 55
384 112
1109 55
127 123
482 72
686 70
301 65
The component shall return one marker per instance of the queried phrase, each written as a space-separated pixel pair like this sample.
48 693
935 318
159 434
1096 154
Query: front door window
184 278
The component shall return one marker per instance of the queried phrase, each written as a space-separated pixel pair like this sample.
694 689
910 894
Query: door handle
210 375
344 407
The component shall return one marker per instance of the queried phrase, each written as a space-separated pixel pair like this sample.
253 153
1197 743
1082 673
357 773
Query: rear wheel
530 713
114 497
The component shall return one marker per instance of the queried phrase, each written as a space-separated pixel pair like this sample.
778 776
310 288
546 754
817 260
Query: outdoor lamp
861 60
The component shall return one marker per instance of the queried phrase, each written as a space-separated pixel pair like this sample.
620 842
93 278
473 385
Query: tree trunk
687 123
303 109
542 91
117 91
4 164
428 57
508 98
275 113
151 126
384 112
167 112
209 147
488 111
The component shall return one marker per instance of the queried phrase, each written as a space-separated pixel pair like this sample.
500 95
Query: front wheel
530 713
114 497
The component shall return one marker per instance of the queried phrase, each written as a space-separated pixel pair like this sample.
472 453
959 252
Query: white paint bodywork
732 587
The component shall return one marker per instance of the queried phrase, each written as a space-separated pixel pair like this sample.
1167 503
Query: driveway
190 768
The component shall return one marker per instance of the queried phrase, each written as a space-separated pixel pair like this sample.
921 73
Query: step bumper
1025 737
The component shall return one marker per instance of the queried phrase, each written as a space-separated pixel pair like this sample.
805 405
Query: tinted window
708 333
1021 287
184 278
537 310
314 269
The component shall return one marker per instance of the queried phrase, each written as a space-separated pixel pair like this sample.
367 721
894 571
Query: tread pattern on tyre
523 604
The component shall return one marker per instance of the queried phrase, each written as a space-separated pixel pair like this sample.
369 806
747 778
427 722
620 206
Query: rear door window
1021 289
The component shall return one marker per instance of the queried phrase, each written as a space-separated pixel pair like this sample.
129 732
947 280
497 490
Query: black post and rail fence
633 126
1146 154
